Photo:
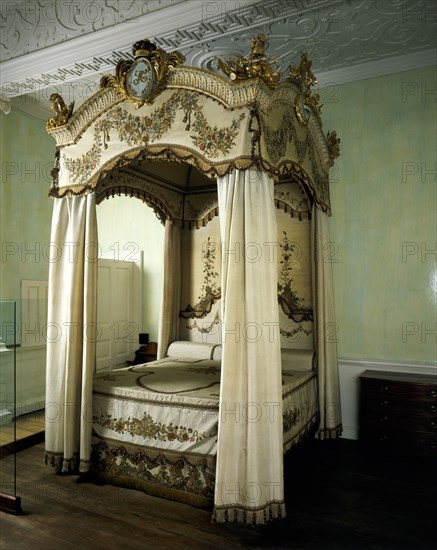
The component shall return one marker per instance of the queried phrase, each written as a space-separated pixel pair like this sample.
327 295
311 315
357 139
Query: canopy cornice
155 108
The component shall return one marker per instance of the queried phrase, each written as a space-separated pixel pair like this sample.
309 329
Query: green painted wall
384 223
26 158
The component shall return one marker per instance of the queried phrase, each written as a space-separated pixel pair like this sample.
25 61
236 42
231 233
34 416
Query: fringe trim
84 466
63 465
309 430
168 493
55 460
330 433
249 515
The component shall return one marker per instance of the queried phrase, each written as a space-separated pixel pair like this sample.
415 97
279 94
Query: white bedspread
173 405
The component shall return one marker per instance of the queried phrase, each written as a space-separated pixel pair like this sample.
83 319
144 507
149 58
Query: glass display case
9 501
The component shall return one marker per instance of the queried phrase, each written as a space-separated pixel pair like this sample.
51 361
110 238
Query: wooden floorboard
337 497
24 426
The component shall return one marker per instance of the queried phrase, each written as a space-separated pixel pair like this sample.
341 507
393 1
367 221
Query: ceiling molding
99 51
347 40
32 25
181 26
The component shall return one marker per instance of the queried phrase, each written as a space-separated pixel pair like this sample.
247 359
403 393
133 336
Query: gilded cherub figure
62 111
304 78
253 65
259 44
302 74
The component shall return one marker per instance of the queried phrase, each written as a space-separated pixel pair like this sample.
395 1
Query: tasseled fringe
240 514
330 433
84 466
66 465
55 460
156 490
302 214
309 431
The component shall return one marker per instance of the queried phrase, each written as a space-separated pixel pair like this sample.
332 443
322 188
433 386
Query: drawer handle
383 438
433 393
433 425
383 419
384 403
433 408
384 388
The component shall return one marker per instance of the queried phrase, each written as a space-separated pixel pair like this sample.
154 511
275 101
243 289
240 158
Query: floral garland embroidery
205 329
292 305
210 291
138 130
277 140
147 427
214 140
159 470
290 419
81 168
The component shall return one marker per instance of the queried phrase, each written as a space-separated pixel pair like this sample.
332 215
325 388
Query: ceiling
65 46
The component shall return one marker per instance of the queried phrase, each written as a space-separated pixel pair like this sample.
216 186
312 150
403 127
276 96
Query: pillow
217 353
190 350
297 359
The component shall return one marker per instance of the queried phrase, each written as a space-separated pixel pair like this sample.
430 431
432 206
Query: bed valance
247 119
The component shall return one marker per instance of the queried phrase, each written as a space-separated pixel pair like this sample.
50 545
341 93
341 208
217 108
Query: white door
118 312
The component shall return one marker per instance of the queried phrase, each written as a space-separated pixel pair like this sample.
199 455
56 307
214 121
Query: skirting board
350 371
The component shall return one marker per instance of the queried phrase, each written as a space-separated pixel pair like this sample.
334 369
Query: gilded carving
62 111
253 65
140 80
304 78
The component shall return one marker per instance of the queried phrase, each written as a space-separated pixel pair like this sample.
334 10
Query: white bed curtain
71 332
325 328
249 475
170 304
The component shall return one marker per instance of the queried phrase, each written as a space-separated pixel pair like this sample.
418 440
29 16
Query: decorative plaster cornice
346 41
31 25
99 51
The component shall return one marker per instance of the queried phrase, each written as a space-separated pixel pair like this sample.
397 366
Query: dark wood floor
337 497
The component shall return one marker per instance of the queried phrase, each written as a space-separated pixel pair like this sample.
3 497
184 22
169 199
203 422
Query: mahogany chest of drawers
398 412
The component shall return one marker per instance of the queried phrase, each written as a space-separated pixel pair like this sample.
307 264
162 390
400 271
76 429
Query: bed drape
325 328
249 474
171 289
71 332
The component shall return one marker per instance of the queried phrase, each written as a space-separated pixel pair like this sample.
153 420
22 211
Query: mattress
155 425
169 404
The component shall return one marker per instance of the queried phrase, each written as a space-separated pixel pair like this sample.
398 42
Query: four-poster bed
232 252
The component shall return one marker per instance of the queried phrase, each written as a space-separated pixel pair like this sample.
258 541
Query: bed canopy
195 145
